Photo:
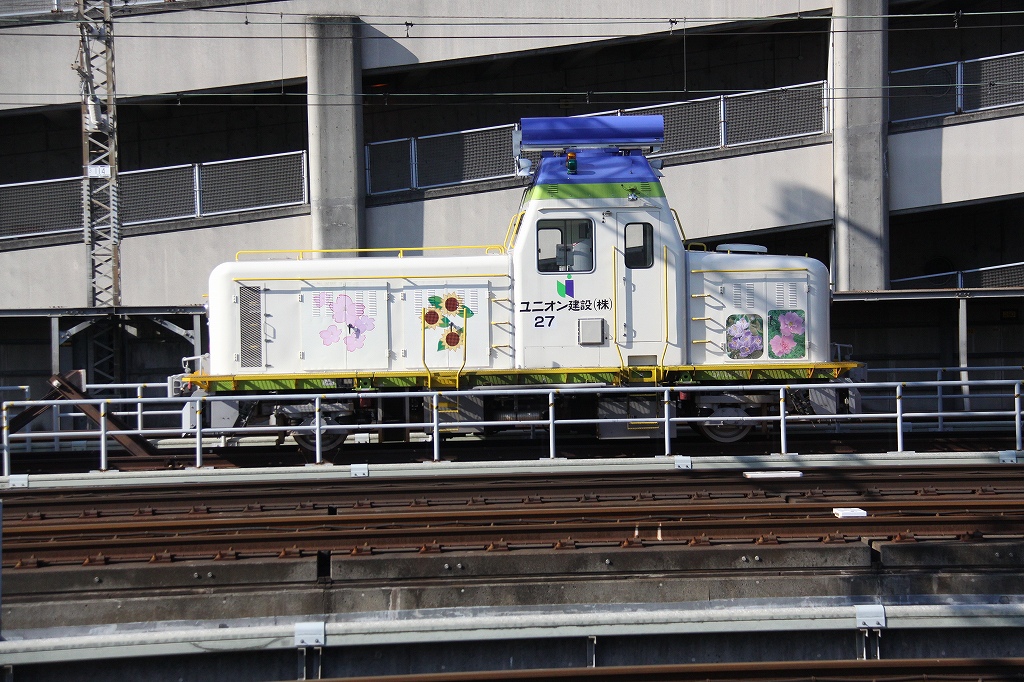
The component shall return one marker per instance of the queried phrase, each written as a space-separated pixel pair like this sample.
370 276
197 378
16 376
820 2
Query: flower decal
448 313
787 334
744 336
352 324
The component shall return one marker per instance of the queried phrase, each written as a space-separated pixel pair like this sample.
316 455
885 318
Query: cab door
640 288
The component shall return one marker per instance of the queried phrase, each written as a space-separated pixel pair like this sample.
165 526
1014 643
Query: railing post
6 440
959 87
28 440
938 397
668 424
436 419
782 420
316 426
414 176
899 418
722 133
1017 414
200 408
138 408
197 196
103 436
551 424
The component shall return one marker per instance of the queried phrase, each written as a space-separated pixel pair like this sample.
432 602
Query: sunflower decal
449 314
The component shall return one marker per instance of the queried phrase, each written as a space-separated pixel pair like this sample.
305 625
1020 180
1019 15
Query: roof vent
741 248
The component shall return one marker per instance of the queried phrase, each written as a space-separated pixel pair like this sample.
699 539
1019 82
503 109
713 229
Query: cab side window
565 245
639 246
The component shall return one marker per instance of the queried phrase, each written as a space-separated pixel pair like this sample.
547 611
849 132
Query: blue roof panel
622 131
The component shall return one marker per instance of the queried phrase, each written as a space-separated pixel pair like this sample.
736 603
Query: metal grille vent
785 294
743 295
250 326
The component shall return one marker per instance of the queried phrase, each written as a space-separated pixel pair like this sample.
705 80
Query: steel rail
896 670
483 529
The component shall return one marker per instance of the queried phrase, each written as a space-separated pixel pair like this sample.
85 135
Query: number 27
543 321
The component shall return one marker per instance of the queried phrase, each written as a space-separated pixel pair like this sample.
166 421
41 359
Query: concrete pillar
337 179
860 74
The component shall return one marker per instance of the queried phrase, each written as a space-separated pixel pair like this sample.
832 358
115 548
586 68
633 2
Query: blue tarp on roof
620 131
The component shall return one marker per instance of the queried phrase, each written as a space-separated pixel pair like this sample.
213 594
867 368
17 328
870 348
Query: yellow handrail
513 229
615 315
665 308
679 225
497 249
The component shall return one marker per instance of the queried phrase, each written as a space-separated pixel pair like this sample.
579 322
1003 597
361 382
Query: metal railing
694 125
1007 414
956 87
49 207
995 276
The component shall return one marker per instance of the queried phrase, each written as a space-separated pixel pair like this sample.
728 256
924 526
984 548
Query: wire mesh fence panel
249 184
390 166
774 114
1006 276
689 126
463 157
993 82
924 92
38 208
158 194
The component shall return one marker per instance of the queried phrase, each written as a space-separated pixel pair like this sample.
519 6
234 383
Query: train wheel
329 440
720 429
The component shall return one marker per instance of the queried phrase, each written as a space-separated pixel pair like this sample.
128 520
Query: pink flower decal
331 335
782 345
353 324
791 323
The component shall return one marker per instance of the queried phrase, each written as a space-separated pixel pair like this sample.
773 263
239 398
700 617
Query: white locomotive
593 285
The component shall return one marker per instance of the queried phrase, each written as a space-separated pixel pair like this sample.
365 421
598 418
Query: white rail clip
1005 457
360 470
683 462
848 512
310 634
17 481
870 616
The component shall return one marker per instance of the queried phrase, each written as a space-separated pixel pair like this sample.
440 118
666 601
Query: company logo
566 289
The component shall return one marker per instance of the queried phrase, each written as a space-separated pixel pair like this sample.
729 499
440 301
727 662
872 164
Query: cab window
639 246
565 245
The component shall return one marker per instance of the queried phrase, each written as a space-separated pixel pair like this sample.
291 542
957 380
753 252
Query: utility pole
100 222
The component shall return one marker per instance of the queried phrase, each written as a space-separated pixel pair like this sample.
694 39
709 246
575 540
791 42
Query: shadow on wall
381 50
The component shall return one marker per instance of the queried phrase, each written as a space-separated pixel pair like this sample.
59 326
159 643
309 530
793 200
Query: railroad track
945 670
549 513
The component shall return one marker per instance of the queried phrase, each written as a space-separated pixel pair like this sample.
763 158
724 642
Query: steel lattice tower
100 222
99 151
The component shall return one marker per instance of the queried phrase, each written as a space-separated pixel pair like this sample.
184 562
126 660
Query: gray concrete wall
956 163
264 43
44 278
469 220
753 191
172 268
